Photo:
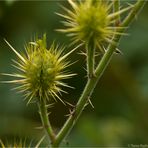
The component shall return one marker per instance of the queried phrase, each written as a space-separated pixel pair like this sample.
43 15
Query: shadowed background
120 98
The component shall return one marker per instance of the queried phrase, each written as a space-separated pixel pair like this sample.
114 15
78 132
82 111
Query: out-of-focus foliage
120 98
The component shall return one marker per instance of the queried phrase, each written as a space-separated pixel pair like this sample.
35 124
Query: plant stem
90 58
136 9
98 73
45 121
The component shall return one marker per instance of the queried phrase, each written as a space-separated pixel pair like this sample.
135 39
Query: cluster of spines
41 70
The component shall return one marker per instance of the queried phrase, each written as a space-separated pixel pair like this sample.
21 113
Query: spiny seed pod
41 70
91 21
20 144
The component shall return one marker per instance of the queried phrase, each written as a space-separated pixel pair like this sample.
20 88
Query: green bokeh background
120 98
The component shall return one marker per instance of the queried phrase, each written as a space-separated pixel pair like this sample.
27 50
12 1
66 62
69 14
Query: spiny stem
76 112
136 9
90 58
45 121
92 82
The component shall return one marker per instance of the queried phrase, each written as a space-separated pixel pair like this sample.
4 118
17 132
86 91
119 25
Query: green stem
92 82
136 9
45 121
90 58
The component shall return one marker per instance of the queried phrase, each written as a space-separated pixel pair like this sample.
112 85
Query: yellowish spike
15 51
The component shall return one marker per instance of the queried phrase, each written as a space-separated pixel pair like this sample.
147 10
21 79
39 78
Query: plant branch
136 9
98 73
45 121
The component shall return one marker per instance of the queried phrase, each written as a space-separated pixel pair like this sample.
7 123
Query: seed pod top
91 20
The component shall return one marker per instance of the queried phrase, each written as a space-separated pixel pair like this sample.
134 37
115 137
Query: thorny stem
98 73
45 121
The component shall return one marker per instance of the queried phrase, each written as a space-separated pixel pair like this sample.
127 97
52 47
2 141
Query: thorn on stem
71 111
91 103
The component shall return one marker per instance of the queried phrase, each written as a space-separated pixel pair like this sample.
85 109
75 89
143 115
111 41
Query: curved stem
45 121
92 82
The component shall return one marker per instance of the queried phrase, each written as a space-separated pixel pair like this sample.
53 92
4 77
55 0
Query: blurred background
120 98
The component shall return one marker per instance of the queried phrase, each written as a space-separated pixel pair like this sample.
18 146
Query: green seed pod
41 70
91 20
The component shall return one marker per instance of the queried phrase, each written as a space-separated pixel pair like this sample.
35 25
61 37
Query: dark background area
120 98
